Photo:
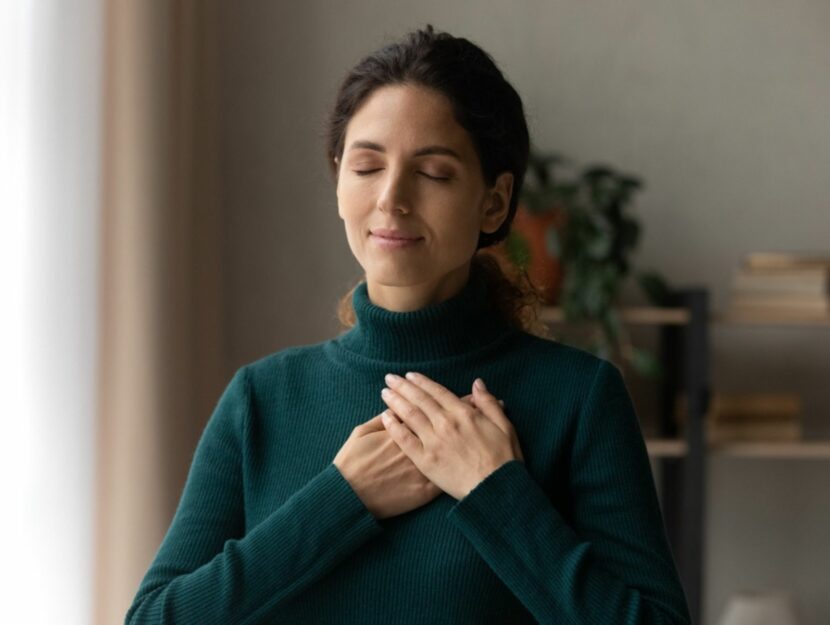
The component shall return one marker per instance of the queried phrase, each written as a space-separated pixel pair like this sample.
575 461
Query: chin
409 276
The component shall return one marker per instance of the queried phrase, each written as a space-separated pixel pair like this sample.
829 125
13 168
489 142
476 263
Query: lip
387 233
390 243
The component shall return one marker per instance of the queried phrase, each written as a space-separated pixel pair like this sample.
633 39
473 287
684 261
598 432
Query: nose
395 193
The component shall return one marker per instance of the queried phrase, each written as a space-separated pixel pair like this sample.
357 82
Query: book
742 407
796 281
778 260
767 303
723 432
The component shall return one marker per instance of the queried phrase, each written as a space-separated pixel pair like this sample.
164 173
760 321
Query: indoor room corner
174 219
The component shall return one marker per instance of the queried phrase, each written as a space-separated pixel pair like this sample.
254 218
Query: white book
803 281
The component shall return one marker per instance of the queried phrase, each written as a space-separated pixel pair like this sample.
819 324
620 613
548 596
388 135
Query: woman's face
409 167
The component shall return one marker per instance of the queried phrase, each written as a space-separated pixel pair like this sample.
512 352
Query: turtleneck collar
463 323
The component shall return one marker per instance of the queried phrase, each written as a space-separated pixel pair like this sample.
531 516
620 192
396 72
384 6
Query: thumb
490 406
372 425
472 400
487 403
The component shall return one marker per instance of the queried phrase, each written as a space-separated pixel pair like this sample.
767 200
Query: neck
463 323
415 297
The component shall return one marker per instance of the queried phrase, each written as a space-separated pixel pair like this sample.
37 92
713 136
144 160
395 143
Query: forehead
406 117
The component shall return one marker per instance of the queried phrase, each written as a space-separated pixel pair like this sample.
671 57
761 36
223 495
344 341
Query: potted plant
580 214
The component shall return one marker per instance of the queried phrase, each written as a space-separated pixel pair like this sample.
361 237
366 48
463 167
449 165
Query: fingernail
501 401
480 384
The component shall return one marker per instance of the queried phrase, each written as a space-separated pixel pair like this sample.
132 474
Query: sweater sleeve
614 564
206 571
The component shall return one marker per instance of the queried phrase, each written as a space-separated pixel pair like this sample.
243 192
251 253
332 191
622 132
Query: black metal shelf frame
684 353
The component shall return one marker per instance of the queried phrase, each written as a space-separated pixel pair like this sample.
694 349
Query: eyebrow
429 149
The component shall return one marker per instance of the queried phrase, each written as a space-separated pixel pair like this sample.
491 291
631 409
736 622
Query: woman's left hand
453 443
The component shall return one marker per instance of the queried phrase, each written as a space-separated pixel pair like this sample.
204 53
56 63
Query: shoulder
578 373
560 356
282 365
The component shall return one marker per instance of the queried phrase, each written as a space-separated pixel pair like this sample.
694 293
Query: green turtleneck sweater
269 531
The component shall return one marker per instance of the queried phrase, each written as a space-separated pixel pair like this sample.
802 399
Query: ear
498 203
336 170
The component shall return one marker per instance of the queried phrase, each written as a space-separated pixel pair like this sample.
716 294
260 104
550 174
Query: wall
50 111
720 107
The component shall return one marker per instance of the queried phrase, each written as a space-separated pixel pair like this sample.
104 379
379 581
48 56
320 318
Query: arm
206 572
614 565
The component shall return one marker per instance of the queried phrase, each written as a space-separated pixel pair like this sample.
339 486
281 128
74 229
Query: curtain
162 357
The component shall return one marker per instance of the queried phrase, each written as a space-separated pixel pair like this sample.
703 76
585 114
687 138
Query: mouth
393 235
390 242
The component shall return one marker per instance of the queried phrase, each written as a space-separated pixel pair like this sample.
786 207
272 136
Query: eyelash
371 171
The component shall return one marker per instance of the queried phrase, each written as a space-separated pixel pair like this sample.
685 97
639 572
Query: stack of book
782 283
734 417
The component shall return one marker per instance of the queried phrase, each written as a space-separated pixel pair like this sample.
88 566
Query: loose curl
488 108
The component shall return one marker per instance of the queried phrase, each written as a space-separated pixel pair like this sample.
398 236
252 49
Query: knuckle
411 412
447 426
469 412
429 458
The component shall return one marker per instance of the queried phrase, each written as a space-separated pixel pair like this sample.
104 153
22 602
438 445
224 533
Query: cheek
348 204
458 227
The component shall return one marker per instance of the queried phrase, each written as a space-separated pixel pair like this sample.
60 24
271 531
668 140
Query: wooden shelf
636 315
796 449
655 315
765 318
666 447
677 448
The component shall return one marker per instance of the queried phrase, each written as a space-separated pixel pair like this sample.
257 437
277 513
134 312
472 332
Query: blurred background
168 216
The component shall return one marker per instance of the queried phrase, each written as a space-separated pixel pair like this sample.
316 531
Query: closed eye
438 178
366 172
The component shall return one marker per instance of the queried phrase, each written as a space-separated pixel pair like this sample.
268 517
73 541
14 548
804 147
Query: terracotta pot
544 270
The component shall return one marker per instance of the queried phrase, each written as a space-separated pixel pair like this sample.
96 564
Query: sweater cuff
333 492
509 496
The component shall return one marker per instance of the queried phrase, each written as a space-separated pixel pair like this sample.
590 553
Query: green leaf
517 249
599 247
657 290
629 233
611 324
645 363
594 295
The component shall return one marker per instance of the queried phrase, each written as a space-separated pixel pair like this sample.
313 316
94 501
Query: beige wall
720 107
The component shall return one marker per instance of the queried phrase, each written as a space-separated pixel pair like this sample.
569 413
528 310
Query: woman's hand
454 443
382 476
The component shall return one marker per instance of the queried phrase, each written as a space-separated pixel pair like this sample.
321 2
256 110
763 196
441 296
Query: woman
325 491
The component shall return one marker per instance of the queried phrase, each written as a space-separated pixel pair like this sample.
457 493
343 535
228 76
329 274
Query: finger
440 394
410 444
472 400
417 397
407 412
375 424
487 403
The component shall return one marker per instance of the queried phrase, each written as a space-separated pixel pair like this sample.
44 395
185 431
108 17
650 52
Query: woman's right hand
384 478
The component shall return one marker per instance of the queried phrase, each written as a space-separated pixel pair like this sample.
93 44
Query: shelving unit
684 353
676 448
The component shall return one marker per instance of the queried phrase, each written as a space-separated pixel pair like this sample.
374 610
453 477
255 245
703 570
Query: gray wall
720 107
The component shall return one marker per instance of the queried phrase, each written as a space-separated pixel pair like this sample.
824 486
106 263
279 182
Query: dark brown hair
487 107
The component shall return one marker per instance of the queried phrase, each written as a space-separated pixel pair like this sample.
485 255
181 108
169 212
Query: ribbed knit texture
269 531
